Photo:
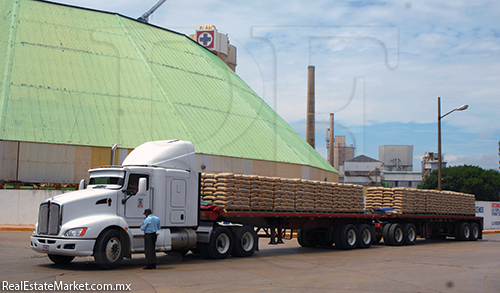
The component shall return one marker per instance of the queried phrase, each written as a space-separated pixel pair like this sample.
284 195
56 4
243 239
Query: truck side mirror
142 187
81 186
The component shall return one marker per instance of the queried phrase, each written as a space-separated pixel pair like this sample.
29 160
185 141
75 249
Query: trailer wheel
410 234
109 249
385 233
474 232
462 231
365 236
306 238
245 241
396 234
60 259
348 237
221 243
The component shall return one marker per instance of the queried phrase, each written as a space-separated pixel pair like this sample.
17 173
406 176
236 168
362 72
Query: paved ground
427 266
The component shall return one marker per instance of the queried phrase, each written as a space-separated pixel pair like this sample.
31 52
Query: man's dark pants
149 248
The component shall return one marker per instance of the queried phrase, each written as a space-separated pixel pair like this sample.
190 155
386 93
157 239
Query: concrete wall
21 206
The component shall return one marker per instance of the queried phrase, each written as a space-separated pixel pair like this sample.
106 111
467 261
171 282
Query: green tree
485 184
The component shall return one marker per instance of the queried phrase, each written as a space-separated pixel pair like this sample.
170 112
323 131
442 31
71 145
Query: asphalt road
427 266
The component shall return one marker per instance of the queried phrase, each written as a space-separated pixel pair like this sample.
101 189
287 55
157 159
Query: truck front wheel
245 241
60 259
109 249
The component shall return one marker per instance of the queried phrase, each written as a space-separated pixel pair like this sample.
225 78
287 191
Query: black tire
385 233
109 249
410 234
60 259
306 238
365 236
336 236
245 241
396 234
462 231
221 243
348 237
202 249
474 232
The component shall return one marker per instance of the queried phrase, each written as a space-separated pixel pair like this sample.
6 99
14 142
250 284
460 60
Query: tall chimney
331 144
310 107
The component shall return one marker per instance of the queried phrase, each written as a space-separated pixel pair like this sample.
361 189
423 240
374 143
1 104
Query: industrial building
396 157
430 163
75 81
397 166
362 170
341 153
402 178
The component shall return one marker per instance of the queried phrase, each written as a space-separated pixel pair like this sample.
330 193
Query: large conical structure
74 76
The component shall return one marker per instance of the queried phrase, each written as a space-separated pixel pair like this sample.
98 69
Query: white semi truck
103 220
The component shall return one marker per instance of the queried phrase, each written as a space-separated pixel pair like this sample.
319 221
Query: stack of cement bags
347 198
416 201
304 195
323 197
284 195
261 193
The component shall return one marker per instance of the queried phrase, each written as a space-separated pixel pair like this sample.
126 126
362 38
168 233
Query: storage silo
396 157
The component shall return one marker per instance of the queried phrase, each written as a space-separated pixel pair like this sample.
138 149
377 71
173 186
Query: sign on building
490 211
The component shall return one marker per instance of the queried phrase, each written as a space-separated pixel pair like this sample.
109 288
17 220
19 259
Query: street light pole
439 144
461 108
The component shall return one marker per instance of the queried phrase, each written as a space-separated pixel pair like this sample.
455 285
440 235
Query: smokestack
310 107
330 150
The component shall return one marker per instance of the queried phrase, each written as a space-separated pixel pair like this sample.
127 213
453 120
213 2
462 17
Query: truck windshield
106 179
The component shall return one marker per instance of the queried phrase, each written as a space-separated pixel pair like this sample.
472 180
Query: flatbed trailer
350 230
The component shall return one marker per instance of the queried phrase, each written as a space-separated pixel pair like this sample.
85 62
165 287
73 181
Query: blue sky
380 66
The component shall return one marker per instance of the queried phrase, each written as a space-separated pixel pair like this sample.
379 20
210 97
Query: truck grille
48 218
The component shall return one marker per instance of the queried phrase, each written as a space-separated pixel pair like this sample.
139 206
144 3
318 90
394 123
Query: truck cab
104 219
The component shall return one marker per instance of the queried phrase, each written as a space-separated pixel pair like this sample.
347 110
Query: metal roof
362 159
77 76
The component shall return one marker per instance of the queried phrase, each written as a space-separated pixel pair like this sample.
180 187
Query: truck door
177 201
134 207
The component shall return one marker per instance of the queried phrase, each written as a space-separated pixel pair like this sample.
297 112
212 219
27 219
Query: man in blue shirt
150 225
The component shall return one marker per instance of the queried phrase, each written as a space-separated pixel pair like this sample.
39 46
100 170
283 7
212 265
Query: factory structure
394 165
75 81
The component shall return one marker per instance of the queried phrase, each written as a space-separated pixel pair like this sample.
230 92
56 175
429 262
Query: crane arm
145 16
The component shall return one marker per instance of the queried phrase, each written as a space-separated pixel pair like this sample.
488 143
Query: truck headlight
77 232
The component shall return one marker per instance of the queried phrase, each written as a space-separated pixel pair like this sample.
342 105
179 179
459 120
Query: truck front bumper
63 246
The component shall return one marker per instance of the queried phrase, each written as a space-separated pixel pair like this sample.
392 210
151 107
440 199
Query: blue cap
147 211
